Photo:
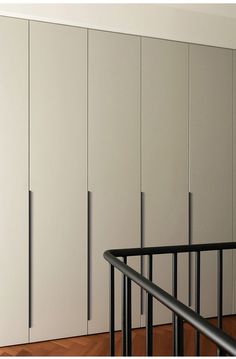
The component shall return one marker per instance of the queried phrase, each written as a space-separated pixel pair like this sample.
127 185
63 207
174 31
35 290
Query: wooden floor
98 345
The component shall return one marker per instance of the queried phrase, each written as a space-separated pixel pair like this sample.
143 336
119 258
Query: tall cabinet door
13 181
164 143
210 141
114 162
58 68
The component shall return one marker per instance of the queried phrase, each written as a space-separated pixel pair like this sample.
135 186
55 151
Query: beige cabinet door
210 141
58 120
13 181
114 163
164 143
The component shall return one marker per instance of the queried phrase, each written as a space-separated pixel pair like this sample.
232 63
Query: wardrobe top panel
115 32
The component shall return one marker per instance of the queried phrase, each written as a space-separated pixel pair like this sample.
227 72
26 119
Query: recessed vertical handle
30 259
88 256
141 244
189 255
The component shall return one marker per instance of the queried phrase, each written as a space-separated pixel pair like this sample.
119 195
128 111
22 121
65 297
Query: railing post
197 299
123 313
219 293
174 293
149 314
112 311
179 336
128 318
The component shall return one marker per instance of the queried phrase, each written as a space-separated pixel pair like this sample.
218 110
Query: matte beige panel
210 128
58 69
165 157
114 162
13 181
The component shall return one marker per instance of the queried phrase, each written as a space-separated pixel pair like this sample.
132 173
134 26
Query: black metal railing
181 313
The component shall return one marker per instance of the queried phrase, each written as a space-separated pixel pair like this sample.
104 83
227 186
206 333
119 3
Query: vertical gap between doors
233 251
141 189
29 177
189 183
87 159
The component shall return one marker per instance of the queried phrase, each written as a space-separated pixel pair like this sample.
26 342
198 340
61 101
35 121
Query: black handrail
132 252
181 311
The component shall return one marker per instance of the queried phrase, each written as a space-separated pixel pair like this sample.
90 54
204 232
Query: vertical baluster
123 318
174 293
149 313
219 292
129 318
197 299
179 332
141 290
112 312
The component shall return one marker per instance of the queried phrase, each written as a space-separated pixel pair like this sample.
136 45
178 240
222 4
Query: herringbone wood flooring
98 345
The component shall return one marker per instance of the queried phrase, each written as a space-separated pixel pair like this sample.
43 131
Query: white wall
163 21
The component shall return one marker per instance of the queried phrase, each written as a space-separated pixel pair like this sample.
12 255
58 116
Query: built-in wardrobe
107 141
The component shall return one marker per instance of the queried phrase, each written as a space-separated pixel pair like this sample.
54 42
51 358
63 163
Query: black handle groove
88 257
189 255
141 245
30 259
